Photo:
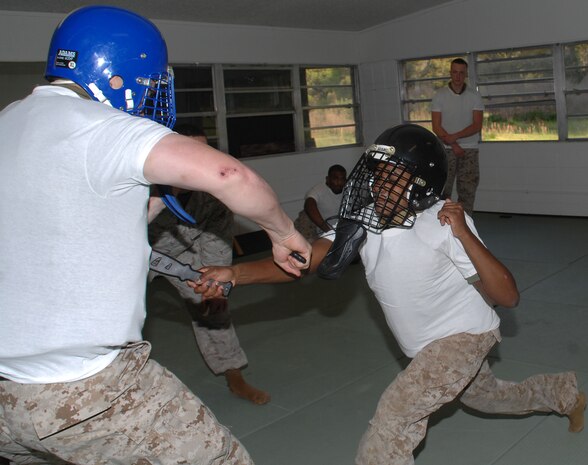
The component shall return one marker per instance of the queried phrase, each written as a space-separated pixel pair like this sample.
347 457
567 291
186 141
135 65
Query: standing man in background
457 116
322 204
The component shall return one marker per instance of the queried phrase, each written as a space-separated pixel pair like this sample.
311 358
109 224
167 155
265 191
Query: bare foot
576 416
240 388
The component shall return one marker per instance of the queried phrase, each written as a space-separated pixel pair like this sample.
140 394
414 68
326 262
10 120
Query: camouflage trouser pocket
143 415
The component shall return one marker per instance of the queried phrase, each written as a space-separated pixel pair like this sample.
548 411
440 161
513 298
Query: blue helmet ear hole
116 82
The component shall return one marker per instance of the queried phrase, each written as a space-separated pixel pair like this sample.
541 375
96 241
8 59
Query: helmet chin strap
98 94
172 203
349 236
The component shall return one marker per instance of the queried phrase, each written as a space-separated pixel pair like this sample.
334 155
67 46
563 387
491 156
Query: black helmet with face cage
402 173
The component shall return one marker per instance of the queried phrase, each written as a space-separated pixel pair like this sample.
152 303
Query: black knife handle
170 266
227 287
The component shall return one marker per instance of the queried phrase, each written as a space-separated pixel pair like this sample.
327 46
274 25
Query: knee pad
349 236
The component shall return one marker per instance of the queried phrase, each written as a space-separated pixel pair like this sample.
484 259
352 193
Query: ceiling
336 15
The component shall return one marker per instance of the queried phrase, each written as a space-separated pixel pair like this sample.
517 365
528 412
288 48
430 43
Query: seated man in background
208 242
321 204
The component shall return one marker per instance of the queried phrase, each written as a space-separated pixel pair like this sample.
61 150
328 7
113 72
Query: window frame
569 91
222 114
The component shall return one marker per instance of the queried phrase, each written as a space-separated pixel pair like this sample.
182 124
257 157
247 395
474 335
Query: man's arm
450 139
182 162
437 126
474 128
312 210
154 207
442 134
262 271
496 281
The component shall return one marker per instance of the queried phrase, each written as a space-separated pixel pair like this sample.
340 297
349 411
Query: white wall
539 178
292 175
25 36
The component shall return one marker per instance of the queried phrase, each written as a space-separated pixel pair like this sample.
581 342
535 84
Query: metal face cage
158 102
378 191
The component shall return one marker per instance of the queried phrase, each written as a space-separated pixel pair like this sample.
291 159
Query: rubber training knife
169 266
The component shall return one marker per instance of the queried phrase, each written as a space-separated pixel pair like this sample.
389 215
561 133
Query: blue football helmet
118 57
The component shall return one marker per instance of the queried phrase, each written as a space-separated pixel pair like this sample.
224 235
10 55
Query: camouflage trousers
133 412
220 348
306 227
454 367
465 173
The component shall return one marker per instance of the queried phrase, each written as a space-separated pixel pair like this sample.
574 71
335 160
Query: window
195 104
530 94
518 93
262 110
329 106
576 89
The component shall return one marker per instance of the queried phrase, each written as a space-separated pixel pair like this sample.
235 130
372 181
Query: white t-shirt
73 232
327 201
418 276
456 112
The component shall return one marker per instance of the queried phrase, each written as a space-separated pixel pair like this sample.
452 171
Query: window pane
512 88
324 96
321 118
516 66
576 63
520 123
578 127
577 108
207 123
518 92
193 77
429 68
577 104
257 78
195 103
258 102
259 91
329 106
330 137
260 135
192 101
325 76
417 90
420 111
576 89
